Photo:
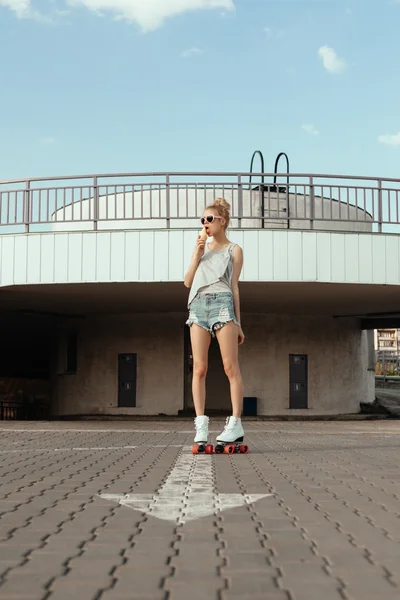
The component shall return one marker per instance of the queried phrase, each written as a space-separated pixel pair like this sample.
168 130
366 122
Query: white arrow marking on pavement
187 494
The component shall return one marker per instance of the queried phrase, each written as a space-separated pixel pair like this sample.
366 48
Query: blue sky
198 85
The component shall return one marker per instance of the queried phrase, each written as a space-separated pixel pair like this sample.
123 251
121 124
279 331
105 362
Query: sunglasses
209 219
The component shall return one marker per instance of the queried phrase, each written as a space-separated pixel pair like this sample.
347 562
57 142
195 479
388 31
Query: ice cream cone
203 234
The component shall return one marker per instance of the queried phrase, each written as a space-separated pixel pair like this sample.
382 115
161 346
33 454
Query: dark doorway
217 384
298 381
26 354
127 365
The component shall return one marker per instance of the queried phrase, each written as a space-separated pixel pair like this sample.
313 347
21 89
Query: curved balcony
177 200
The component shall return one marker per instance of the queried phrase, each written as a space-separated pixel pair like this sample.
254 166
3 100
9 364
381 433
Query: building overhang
374 304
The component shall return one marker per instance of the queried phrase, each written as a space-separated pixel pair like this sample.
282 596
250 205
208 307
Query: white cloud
190 52
310 129
390 139
22 8
150 14
331 61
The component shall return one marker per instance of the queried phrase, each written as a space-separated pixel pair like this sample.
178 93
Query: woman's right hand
200 246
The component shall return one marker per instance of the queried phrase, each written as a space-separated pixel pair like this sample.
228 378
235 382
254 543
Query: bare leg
200 340
227 338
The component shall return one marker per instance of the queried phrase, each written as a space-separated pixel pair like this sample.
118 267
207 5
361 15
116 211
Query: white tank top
214 272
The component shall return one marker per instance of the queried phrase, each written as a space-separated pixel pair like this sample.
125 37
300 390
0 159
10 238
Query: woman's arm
194 263
237 260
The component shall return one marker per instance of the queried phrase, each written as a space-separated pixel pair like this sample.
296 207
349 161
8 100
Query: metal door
127 367
298 381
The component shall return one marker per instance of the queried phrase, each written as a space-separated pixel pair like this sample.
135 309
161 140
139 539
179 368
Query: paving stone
366 594
130 580
57 544
101 552
6 565
43 527
238 544
357 582
150 570
17 584
131 595
288 551
246 561
247 528
252 583
201 525
208 560
144 559
277 524
196 575
18 596
8 552
103 535
294 574
70 589
142 544
156 595
184 591
276 595
328 591
50 568
24 537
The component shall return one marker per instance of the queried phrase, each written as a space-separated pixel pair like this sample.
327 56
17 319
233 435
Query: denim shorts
212 311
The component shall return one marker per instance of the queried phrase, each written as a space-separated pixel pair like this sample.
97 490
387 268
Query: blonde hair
222 207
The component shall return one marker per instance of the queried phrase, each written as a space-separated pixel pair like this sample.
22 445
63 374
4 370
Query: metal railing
148 200
13 410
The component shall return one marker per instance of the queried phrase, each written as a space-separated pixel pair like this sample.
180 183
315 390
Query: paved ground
390 399
311 514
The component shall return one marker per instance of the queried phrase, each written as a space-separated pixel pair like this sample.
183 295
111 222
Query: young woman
214 310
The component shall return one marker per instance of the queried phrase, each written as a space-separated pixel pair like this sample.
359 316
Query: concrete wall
158 342
337 353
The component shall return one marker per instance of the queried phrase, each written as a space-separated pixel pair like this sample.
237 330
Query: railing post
27 206
262 197
168 200
312 203
380 216
95 203
384 370
240 201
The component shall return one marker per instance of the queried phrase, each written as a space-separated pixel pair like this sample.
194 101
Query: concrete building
387 342
93 307
387 351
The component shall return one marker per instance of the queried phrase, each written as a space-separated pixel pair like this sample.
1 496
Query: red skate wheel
209 449
229 449
244 449
195 449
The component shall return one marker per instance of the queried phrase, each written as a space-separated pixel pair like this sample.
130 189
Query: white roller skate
231 439
200 445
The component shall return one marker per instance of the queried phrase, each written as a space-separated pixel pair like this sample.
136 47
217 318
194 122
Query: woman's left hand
240 336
